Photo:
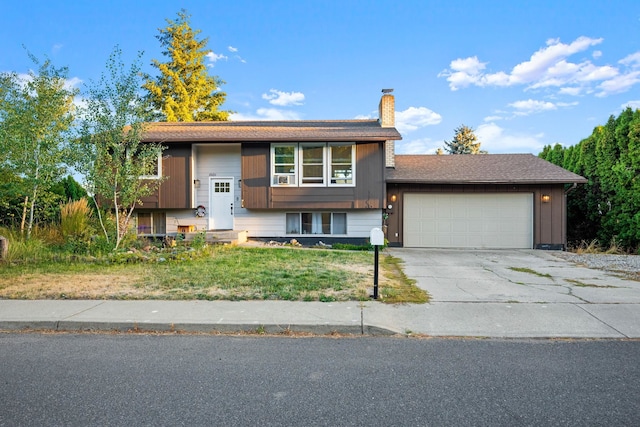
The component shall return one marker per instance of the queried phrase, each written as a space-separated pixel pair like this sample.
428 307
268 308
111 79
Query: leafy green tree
36 115
184 91
464 142
110 153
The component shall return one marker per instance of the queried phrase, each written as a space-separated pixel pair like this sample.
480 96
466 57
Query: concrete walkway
474 294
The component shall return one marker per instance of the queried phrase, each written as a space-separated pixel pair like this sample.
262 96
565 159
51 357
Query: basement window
152 223
327 223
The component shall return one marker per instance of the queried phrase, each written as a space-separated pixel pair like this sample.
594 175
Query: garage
471 220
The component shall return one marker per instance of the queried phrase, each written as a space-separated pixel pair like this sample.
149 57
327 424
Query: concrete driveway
518 293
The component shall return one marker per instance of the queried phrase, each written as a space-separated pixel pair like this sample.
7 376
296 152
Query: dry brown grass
229 274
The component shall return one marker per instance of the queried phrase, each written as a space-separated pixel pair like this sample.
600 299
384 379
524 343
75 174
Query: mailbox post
376 238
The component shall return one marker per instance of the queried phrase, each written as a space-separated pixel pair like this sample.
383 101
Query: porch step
233 237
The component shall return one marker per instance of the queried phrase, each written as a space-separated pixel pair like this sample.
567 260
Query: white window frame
323 165
159 174
329 167
277 179
331 225
295 178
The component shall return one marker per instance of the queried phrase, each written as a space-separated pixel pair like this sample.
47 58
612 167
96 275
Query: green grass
587 285
209 273
530 271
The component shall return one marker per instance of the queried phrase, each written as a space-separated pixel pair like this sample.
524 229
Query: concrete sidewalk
497 320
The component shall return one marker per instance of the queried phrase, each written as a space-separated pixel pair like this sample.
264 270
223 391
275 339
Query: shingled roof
478 169
247 131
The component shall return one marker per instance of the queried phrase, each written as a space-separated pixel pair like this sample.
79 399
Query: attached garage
496 220
493 201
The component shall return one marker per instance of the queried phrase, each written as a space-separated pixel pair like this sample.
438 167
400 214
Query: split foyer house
336 180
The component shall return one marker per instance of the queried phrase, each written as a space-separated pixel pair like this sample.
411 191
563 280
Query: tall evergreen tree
464 142
607 208
184 91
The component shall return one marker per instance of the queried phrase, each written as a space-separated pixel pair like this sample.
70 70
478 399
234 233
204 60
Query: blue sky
522 74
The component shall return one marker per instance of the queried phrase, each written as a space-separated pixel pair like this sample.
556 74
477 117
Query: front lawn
213 273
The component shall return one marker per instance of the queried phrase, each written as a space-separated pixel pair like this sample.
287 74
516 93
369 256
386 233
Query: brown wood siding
255 175
370 176
549 219
175 192
257 192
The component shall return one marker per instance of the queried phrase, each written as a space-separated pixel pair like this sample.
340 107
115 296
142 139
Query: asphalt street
137 379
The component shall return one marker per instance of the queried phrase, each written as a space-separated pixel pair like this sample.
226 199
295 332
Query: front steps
232 237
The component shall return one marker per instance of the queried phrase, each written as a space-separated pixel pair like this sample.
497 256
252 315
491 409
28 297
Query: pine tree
464 142
184 91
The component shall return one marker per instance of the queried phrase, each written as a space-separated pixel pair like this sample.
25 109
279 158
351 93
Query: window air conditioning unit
286 179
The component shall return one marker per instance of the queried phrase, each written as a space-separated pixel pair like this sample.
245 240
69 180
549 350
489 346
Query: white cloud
632 60
573 91
530 106
493 118
497 140
266 114
213 58
416 117
417 146
232 49
633 104
618 84
544 59
550 67
284 99
72 83
56 48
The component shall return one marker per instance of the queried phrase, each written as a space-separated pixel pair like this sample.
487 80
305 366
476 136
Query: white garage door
488 220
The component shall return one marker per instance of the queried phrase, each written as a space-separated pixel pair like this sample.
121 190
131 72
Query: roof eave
460 182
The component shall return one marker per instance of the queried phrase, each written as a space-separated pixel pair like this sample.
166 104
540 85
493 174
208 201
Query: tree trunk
24 214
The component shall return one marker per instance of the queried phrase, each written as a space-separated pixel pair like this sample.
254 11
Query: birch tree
111 156
36 115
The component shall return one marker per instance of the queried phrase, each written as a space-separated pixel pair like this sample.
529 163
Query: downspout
570 189
564 214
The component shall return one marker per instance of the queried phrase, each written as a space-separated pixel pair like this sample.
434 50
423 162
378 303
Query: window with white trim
155 172
318 164
284 164
329 223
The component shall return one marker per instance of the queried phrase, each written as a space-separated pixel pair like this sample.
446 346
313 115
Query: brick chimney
387 118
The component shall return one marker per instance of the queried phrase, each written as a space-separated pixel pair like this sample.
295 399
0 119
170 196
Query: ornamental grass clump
75 225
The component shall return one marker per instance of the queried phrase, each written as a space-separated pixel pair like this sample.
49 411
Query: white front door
221 203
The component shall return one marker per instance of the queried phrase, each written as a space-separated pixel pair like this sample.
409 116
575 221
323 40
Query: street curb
129 326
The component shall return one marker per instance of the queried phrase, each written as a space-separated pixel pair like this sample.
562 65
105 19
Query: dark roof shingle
298 130
478 169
